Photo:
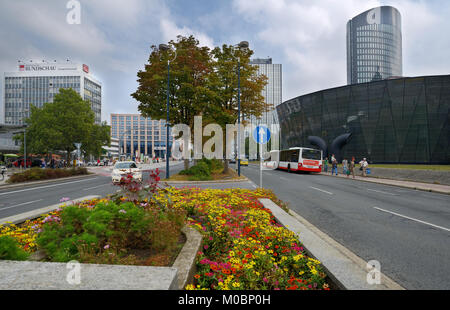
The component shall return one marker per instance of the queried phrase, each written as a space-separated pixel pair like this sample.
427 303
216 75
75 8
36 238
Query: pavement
438 188
405 229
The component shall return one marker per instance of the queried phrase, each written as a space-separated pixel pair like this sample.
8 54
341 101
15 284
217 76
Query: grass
413 167
217 175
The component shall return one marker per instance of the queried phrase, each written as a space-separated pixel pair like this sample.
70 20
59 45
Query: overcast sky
306 36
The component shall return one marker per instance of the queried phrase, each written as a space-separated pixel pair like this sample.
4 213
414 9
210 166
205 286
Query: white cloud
312 38
170 31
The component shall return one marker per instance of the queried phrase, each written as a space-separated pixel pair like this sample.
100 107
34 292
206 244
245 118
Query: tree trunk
186 164
225 166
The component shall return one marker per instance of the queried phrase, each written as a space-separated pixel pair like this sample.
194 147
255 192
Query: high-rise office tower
139 135
374 45
37 83
271 92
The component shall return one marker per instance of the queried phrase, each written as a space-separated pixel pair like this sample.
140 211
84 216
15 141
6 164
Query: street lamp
24 139
122 140
241 46
165 47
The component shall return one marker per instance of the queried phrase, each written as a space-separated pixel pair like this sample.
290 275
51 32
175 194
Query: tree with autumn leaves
202 82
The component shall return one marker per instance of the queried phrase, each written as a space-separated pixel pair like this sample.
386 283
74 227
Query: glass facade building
374 45
271 92
36 84
405 120
139 135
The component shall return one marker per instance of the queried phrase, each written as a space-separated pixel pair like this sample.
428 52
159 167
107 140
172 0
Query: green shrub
203 169
199 172
36 173
107 232
10 249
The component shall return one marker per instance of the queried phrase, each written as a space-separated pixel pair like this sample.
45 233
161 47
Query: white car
123 168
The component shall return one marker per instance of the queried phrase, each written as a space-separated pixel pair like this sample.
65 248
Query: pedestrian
351 167
364 164
333 165
325 165
344 166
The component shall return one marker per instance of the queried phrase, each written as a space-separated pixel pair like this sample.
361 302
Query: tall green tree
189 73
202 82
225 83
65 121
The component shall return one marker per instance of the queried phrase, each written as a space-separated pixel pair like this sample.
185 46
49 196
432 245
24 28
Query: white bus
300 159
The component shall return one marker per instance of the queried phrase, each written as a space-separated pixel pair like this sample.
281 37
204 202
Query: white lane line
21 204
412 219
86 189
381 192
318 189
53 185
283 178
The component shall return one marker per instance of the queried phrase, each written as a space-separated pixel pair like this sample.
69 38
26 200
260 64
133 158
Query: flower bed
244 247
35 174
101 232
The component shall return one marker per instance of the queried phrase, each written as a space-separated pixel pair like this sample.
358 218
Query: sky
308 37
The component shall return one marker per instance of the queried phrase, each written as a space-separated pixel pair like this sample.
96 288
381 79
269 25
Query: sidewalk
437 188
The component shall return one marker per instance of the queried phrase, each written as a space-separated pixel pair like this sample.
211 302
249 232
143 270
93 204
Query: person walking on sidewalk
364 164
333 165
344 166
325 165
351 167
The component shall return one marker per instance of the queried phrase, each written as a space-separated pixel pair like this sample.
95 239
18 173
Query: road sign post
261 135
78 146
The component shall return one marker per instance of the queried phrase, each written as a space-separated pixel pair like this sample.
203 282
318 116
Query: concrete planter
36 275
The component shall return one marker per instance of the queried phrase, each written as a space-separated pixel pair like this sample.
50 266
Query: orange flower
197 276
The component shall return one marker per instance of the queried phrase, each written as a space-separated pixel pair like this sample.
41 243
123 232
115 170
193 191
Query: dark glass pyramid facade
405 120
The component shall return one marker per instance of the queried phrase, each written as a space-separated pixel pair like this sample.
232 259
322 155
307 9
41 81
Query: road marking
382 192
412 219
39 187
86 189
318 189
21 204
283 178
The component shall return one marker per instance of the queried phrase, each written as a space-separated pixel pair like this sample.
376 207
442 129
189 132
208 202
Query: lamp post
24 140
165 47
122 140
242 45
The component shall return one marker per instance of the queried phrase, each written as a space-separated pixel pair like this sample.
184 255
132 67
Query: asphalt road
407 231
23 199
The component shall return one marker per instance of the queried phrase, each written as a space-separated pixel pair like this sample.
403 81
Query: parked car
123 168
3 170
31 162
244 162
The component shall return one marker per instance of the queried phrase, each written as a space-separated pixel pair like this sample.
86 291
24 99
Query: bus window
311 154
294 156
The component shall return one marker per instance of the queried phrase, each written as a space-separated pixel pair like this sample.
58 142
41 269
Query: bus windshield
312 154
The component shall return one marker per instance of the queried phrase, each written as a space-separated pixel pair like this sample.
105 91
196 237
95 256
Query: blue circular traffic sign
261 134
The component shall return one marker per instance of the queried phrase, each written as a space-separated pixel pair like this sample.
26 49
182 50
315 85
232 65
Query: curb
398 185
176 277
345 268
185 261
206 182
22 217
24 184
